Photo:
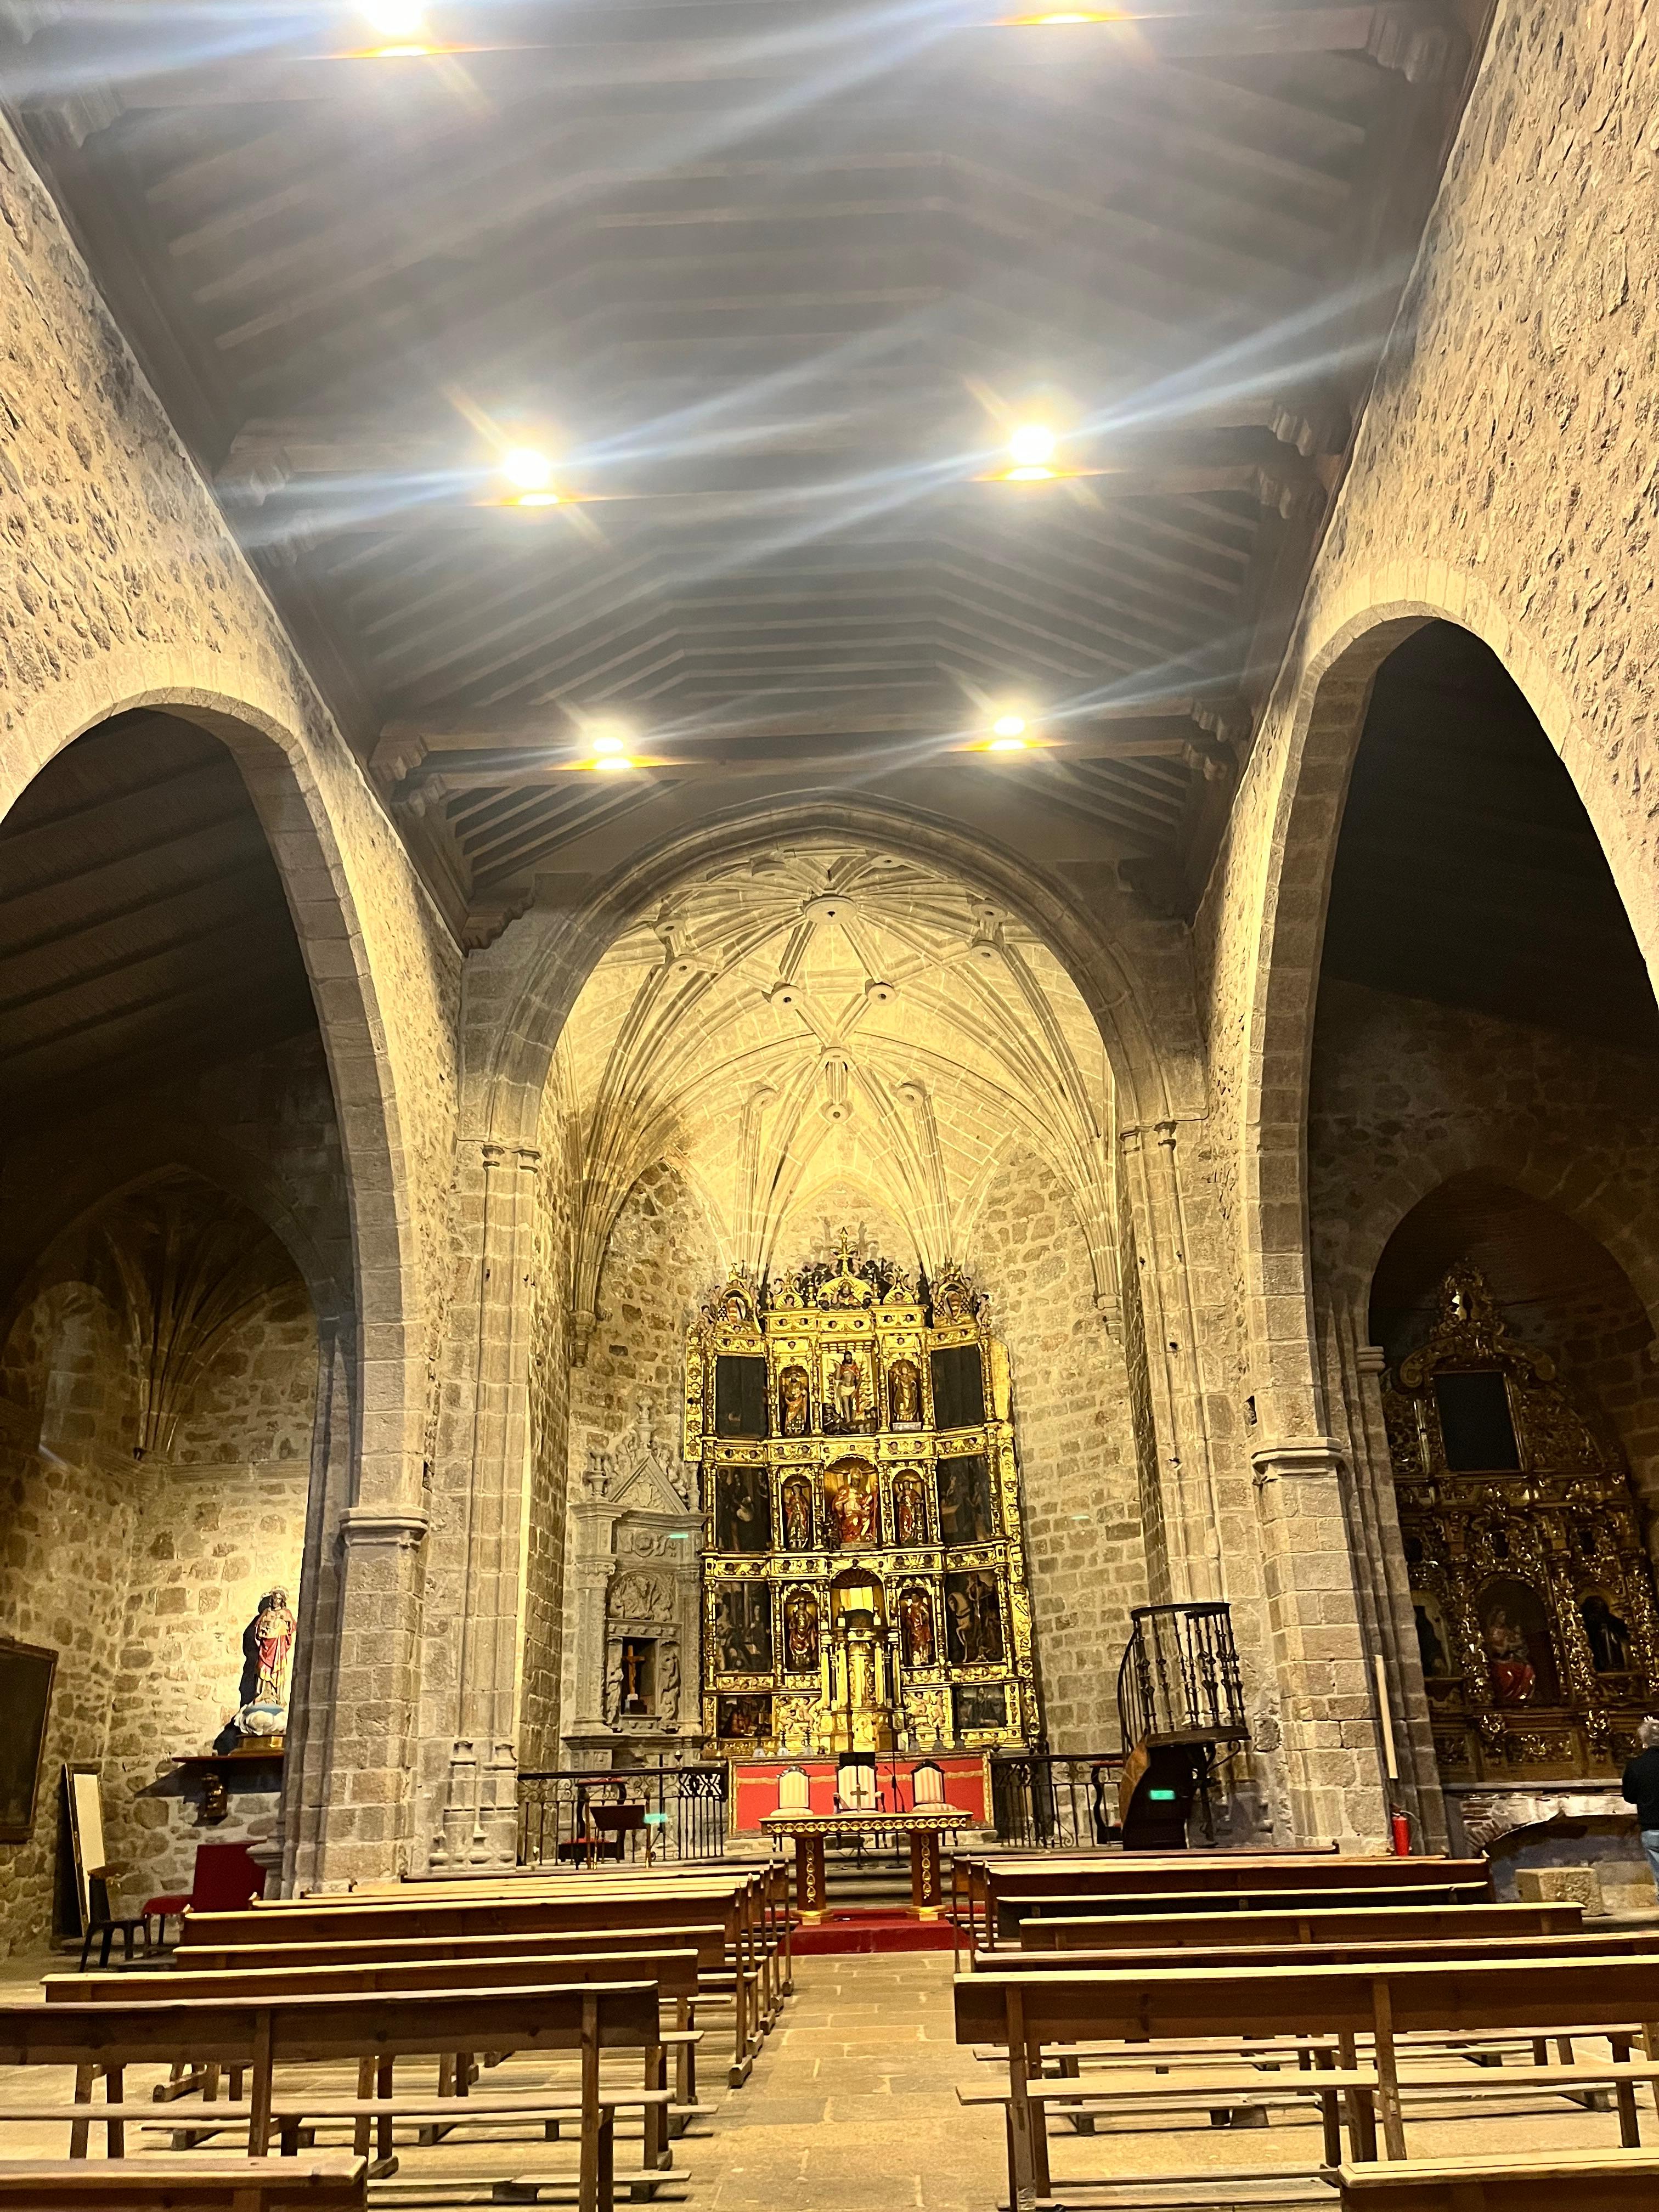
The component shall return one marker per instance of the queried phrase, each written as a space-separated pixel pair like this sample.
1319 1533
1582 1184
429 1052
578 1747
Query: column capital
1296 1457
400 1526
1370 1360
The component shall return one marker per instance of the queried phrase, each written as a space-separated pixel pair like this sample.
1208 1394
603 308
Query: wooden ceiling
1468 870
771 282
144 928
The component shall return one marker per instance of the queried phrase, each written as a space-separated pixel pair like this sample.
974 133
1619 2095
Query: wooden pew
1013 1910
706 1942
328 2181
767 1881
1381 1922
1221 1873
1522 2181
972 1870
1023 2012
762 1888
674 1974
367 2028
573 1909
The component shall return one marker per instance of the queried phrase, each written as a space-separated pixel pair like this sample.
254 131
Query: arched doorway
179 1283
1480 1091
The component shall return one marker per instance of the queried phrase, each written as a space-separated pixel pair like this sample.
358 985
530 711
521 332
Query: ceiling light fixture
608 746
1006 746
1008 726
524 466
397 19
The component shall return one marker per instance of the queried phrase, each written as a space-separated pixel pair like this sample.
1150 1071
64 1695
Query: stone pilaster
1326 1707
477 1823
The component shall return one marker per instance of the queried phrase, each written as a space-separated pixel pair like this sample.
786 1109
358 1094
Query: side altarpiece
1530 1582
864 1583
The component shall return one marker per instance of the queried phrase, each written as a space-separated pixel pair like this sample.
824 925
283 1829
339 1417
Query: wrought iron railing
576 1816
1054 1800
1179 1681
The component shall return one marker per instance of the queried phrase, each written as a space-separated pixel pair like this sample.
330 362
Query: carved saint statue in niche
794 1402
904 1395
849 1493
1608 1636
916 1626
909 1517
798 1514
1514 1678
800 1628
846 1392
668 1693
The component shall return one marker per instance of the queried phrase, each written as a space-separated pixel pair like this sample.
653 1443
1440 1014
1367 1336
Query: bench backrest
314 2029
1463 1993
1127 1872
330 2181
674 1974
1013 1910
1630 1942
1120 1931
707 1944
340 1924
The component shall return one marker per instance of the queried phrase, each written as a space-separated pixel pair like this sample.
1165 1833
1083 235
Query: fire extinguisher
1400 1825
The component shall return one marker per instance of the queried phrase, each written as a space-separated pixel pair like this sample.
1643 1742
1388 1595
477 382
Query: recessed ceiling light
608 745
1032 445
1008 726
397 19
524 466
1006 746
611 761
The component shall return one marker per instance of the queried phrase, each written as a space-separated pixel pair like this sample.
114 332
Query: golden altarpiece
1530 1582
864 1576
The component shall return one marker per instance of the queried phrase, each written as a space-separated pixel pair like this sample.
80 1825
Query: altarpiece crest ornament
864 1534
1531 1586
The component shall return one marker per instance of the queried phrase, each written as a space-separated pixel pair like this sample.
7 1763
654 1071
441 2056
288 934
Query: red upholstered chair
224 1879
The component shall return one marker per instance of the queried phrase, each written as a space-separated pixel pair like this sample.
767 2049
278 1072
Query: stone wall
1501 479
1405 1094
1075 1437
143 1571
662 1260
121 586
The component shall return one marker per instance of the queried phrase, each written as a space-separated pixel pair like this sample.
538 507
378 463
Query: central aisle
853 2107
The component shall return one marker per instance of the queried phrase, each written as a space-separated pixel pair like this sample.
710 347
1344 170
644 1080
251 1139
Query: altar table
923 1828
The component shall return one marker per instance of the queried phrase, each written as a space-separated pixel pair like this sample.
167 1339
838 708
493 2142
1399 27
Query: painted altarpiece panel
856 1470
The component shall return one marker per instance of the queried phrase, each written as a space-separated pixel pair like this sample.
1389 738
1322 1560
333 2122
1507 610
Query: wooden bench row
1327 2007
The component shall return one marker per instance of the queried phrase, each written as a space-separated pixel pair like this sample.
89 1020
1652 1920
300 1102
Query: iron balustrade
1054 1800
577 1816
1179 1681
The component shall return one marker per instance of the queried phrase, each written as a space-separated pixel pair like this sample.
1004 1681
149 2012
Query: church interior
854 1394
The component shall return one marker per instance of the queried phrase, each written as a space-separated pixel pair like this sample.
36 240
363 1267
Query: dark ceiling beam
270 452
422 763
1415 37
1287 484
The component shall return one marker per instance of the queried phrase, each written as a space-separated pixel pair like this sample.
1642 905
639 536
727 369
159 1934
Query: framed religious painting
26 1672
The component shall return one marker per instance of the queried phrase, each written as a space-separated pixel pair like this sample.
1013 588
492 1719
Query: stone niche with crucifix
632 1581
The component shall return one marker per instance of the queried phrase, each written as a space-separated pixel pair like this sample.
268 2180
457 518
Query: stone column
1329 1753
1418 1790
479 1821
1186 1468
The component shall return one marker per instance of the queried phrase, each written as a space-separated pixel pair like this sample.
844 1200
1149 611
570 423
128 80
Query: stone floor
852 2107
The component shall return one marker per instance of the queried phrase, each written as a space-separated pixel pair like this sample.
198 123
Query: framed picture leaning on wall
26 1678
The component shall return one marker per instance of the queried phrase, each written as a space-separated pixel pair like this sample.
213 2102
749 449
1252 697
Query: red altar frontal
967 1786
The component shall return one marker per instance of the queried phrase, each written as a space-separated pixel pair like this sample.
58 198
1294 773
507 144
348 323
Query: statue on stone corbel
668 1687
